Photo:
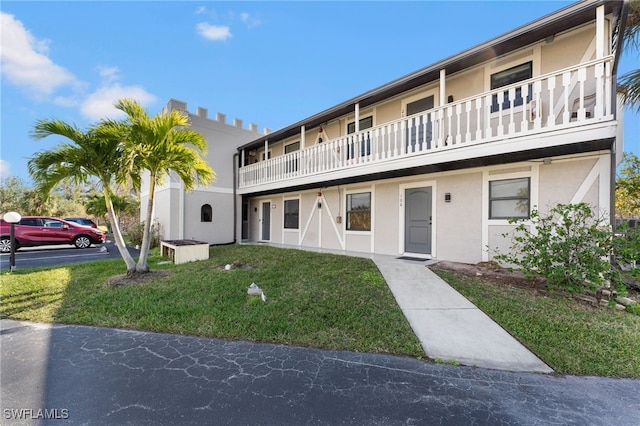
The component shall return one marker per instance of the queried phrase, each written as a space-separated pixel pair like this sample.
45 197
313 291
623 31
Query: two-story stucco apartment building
432 164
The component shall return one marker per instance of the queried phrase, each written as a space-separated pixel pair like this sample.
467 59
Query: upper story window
359 211
418 125
510 76
420 105
292 147
365 123
206 213
291 214
509 198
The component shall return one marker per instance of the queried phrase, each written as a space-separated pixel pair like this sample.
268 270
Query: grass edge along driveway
315 300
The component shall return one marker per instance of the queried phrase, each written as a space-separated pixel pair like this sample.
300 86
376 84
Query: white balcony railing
571 97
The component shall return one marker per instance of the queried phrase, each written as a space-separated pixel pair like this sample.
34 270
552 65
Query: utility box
183 251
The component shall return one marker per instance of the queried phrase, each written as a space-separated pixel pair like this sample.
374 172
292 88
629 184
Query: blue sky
268 63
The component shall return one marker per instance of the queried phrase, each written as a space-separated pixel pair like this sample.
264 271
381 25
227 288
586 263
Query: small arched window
206 214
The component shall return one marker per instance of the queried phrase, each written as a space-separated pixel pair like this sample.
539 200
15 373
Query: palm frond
629 88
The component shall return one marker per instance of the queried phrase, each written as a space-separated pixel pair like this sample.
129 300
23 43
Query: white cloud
99 104
5 169
201 10
25 62
109 74
249 20
213 32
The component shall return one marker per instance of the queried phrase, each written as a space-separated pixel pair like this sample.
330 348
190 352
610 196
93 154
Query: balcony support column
303 130
600 37
443 87
357 112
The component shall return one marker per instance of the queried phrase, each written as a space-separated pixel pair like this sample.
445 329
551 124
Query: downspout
235 196
614 103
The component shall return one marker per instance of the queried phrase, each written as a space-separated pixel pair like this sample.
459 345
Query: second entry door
266 221
417 220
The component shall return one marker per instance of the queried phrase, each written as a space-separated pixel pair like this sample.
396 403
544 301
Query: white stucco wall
462 229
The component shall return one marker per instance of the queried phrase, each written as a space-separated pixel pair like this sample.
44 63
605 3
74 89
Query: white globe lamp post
12 218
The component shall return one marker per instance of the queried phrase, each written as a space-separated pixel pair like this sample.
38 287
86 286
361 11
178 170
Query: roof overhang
557 22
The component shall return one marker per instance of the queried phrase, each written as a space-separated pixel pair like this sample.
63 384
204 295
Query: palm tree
92 154
161 145
629 83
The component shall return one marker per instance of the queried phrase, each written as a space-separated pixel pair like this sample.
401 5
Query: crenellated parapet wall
221 118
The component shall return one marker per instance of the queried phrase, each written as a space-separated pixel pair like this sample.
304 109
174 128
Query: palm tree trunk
117 234
142 266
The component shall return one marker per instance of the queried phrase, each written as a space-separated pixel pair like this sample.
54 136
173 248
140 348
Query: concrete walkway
450 328
448 325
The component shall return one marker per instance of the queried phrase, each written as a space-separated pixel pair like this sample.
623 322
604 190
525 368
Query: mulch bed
495 273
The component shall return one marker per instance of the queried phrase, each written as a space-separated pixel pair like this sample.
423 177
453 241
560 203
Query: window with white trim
291 214
359 211
363 144
292 147
364 123
510 198
292 164
510 76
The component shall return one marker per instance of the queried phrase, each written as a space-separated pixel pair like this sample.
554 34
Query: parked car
39 231
87 222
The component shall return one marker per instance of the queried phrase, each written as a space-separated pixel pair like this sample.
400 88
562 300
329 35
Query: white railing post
551 86
599 74
439 128
449 124
458 138
404 136
511 129
487 116
467 109
582 77
479 119
537 92
524 125
500 129
566 84
607 88
394 126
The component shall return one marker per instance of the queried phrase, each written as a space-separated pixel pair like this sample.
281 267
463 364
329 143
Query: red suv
41 231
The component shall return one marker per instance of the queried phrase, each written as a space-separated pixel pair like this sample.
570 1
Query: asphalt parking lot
50 256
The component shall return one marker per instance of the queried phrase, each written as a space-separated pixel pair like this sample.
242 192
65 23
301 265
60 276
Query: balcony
564 107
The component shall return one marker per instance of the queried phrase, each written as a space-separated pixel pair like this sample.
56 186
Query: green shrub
626 246
570 247
136 233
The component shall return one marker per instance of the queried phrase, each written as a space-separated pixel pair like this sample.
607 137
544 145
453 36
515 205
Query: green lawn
570 337
317 300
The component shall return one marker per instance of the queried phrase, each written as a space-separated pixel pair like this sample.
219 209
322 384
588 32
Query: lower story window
291 214
359 211
206 213
509 198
